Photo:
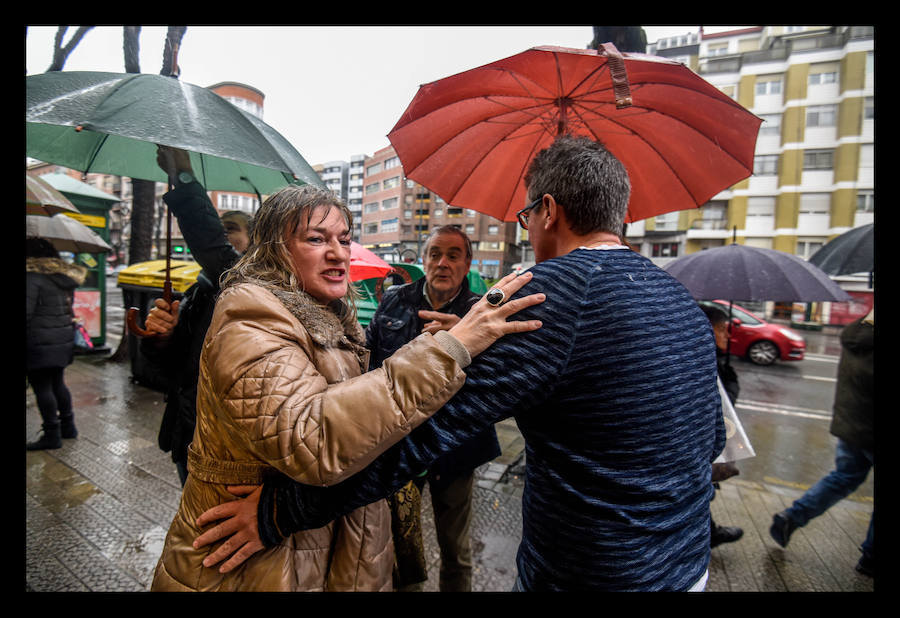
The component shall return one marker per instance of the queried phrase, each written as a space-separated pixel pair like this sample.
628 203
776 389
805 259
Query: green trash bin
141 284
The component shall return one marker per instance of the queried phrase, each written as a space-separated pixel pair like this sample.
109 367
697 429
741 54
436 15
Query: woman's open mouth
334 274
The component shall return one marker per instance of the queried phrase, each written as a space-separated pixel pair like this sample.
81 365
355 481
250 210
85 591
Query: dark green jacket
854 400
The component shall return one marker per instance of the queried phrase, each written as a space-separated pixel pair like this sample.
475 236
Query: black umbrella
851 252
752 273
739 272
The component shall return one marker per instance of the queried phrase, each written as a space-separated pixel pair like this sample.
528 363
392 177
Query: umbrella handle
131 317
616 62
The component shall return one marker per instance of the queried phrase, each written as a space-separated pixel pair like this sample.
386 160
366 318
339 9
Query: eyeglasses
523 214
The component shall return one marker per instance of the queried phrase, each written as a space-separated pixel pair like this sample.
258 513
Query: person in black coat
435 302
216 243
50 284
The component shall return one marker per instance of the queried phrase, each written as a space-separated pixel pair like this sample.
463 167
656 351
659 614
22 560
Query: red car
759 341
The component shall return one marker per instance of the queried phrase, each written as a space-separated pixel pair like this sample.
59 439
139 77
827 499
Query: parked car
759 341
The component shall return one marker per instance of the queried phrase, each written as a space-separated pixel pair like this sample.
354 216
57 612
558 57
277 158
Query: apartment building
813 175
252 101
398 214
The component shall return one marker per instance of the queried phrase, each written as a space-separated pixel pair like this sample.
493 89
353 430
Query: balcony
708 229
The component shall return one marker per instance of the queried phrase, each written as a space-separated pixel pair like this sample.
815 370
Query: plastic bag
82 339
737 445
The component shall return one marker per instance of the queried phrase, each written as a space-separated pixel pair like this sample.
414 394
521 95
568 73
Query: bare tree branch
170 51
60 52
131 46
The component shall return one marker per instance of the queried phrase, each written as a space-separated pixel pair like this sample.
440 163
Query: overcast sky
331 91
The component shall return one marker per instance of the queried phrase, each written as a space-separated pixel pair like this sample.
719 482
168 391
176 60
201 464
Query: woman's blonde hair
267 259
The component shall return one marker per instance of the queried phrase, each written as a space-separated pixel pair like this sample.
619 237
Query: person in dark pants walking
50 284
853 423
435 302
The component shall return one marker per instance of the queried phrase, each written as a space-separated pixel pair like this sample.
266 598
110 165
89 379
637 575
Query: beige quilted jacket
281 387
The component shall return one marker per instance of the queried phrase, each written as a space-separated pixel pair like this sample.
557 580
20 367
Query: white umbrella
43 199
65 233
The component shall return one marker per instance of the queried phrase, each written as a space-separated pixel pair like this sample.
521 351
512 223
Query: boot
724 534
782 528
67 426
49 440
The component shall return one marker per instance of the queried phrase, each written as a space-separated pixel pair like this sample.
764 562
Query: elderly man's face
446 264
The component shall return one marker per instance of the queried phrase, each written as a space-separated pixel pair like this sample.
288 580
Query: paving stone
97 510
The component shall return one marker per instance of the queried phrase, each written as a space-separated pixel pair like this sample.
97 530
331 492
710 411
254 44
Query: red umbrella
366 265
470 137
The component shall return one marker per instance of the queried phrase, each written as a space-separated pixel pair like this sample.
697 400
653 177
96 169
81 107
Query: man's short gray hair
586 179
448 229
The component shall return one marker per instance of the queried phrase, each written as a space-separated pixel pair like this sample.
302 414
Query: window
470 212
822 78
869 109
768 85
744 317
713 216
820 115
818 159
373 169
493 229
389 225
438 212
760 215
392 162
371 207
373 188
390 183
865 201
668 221
390 203
407 214
371 228
665 249
470 228
765 165
771 124
806 248
717 49
814 211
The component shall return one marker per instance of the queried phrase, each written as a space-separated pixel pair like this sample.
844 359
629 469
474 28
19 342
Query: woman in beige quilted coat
282 389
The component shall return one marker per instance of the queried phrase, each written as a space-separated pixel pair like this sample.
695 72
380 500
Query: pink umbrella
366 265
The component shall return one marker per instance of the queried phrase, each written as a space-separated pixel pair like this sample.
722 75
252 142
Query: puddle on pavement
57 486
149 543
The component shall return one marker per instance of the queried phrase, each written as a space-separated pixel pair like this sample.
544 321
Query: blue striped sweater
616 399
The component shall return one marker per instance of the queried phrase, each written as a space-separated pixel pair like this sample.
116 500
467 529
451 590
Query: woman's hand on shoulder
485 323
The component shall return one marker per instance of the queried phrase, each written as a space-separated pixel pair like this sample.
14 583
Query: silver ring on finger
495 297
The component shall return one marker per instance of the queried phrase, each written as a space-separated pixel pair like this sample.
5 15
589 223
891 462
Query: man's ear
553 211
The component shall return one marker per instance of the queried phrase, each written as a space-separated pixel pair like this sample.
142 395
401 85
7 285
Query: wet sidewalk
97 509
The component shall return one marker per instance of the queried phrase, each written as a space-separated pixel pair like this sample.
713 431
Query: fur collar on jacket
56 266
329 326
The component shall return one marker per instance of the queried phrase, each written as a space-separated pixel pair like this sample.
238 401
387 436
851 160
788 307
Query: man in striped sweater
615 397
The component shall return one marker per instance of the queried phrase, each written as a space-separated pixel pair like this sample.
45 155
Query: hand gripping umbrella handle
616 62
131 317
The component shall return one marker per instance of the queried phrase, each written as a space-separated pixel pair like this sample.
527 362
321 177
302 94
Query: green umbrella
111 123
